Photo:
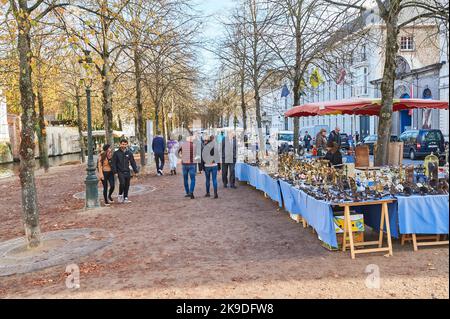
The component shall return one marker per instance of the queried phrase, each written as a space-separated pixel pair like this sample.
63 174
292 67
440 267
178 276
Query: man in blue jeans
189 164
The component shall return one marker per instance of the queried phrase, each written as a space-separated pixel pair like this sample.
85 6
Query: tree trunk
243 104
298 74
157 129
262 142
107 102
387 89
42 132
27 180
164 122
139 108
80 126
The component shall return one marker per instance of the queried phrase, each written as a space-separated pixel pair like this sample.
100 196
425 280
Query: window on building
366 81
364 53
407 43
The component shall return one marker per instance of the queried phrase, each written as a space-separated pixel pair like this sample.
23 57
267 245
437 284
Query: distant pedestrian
173 147
357 137
335 136
307 139
106 174
229 158
121 162
188 151
159 147
211 166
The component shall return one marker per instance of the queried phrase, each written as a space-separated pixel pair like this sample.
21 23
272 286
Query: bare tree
26 15
308 33
395 14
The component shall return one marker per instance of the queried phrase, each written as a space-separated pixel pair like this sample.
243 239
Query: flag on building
285 91
341 76
316 79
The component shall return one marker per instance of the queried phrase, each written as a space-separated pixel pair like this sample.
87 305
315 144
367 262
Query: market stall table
424 215
384 221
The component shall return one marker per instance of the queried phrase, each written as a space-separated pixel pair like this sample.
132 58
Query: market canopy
362 107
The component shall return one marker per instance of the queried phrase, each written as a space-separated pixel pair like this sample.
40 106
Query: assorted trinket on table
322 182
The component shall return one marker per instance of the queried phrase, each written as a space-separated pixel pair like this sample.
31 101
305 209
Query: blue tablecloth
423 214
241 172
272 189
412 215
409 215
372 217
290 198
257 178
318 214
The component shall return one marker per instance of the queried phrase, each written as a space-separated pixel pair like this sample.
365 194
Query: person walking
189 165
335 136
105 173
210 165
229 158
307 139
321 142
159 147
172 147
121 162
357 138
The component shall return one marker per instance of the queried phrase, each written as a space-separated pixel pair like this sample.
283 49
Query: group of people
117 163
209 155
327 146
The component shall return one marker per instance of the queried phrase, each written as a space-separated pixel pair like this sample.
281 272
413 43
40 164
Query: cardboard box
358 229
357 223
357 238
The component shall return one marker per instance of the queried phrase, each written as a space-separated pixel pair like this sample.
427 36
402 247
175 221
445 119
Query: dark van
421 143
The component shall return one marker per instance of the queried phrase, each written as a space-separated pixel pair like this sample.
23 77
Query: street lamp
87 74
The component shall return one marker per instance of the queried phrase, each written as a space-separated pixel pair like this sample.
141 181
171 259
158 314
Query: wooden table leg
388 228
380 241
414 239
344 238
350 231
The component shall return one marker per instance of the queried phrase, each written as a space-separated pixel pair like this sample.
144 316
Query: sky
213 10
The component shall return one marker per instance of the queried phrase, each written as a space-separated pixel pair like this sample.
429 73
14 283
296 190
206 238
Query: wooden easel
349 231
427 240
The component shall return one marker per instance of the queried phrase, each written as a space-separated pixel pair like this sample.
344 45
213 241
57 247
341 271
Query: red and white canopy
361 107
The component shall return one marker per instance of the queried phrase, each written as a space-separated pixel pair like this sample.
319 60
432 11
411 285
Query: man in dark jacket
121 161
229 158
307 139
159 147
335 136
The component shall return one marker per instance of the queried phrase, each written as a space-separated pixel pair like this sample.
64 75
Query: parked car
421 143
371 140
285 141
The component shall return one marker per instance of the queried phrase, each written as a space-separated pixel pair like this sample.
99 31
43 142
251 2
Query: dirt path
239 246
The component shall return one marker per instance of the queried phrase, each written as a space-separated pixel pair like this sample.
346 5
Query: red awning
361 107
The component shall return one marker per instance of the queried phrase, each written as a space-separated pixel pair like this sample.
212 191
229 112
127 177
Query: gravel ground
240 246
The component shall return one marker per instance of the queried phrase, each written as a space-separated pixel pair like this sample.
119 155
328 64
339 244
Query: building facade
422 72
